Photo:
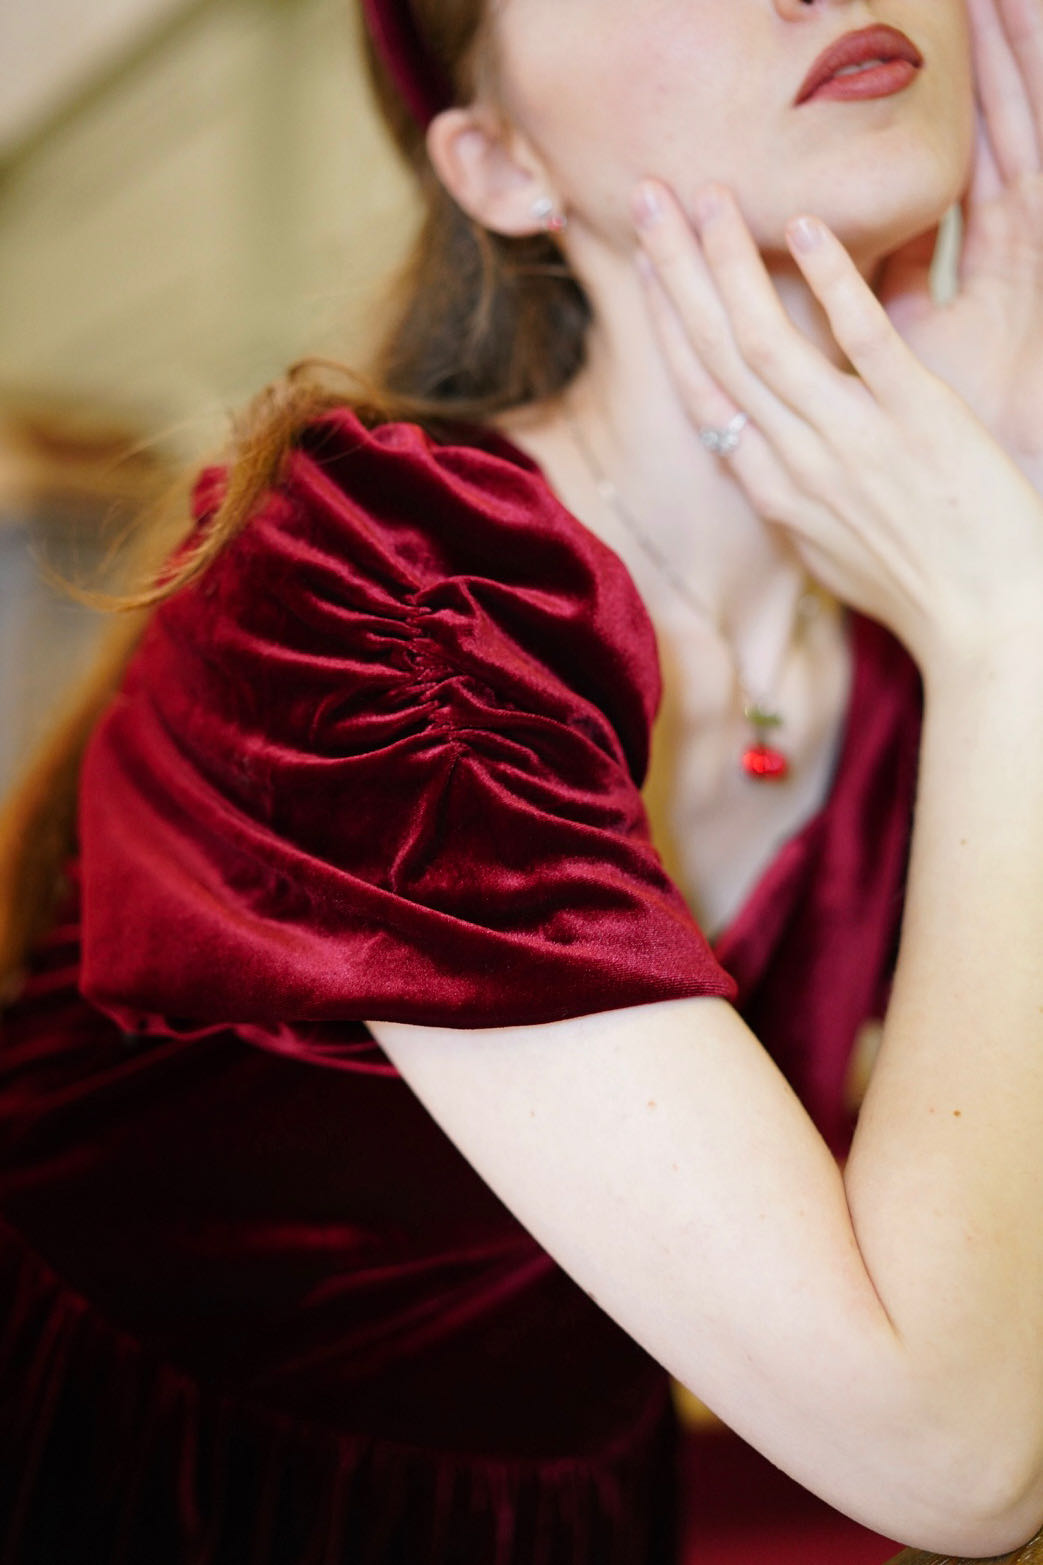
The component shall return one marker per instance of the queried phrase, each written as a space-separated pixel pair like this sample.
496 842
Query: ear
488 169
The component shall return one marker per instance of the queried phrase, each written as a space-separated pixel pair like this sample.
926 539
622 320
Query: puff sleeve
384 761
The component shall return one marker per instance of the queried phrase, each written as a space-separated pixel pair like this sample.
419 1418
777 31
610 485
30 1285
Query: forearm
945 1181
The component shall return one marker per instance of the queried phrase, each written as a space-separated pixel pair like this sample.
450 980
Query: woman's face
691 90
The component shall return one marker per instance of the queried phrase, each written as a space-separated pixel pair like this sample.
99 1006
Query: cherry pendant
765 763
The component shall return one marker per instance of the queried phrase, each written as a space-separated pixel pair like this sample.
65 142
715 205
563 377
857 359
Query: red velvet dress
383 761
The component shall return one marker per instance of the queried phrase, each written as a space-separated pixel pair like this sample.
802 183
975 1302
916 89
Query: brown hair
479 324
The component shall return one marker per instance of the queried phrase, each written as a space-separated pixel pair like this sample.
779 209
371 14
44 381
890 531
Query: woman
362 831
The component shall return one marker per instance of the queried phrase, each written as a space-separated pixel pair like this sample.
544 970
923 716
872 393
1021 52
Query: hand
892 490
987 342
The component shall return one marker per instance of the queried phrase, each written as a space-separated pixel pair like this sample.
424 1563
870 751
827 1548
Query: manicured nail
709 203
648 206
805 233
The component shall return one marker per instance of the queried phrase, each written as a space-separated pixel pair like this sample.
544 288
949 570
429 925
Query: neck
689 501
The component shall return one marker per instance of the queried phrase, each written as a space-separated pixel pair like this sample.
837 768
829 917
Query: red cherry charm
765 763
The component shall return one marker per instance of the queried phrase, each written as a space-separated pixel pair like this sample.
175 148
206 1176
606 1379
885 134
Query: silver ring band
723 442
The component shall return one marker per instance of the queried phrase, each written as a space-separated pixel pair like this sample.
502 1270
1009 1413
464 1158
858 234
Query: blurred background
193 193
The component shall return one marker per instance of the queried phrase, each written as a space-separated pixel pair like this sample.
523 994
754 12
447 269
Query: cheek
684 79
549 64
954 66
619 99
967 114
953 123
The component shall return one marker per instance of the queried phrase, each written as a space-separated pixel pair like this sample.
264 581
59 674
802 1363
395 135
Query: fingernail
805 233
708 204
648 206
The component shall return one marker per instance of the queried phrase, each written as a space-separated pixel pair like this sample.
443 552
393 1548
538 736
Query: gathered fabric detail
384 762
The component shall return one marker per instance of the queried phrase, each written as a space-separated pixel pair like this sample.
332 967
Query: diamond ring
722 442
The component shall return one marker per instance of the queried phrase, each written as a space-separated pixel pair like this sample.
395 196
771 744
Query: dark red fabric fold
385 762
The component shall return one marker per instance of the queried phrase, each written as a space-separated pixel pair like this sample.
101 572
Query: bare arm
945 1180
880 1337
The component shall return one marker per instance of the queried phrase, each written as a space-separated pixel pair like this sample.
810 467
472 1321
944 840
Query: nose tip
790 8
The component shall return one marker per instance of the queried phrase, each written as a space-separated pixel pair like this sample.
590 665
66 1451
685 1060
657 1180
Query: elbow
1000 1535
1010 1511
971 1472
991 1505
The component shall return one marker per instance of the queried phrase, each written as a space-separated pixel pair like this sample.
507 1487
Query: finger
1010 117
985 224
755 464
708 404
672 246
1023 25
780 355
858 320
986 179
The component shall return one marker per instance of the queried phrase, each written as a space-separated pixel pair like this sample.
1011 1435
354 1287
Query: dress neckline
727 943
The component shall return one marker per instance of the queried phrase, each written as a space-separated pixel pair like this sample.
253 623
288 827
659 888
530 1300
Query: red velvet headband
421 82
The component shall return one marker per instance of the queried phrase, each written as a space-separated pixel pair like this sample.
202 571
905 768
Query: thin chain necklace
761 759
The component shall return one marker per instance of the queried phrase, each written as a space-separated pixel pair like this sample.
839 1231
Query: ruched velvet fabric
383 762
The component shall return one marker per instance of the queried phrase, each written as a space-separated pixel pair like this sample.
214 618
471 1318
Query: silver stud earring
547 214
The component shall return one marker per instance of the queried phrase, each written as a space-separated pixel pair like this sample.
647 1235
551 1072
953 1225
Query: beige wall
51 48
220 205
216 205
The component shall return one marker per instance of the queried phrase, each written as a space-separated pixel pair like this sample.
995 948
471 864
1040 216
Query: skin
844 1322
606 91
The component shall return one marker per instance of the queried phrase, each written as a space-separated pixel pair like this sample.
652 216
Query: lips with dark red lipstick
879 45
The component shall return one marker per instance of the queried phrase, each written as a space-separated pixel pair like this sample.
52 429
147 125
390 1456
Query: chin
885 186
876 210
898 192
871 237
